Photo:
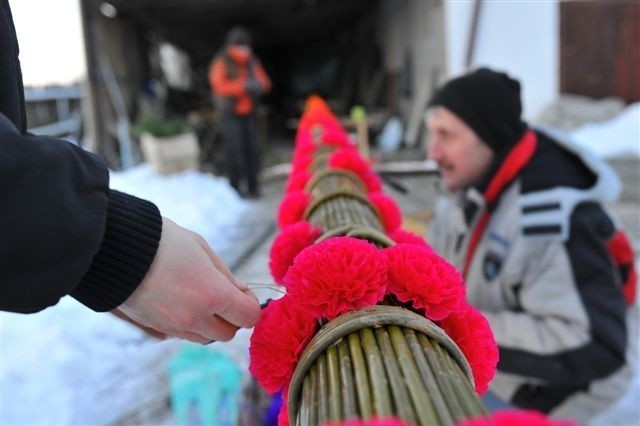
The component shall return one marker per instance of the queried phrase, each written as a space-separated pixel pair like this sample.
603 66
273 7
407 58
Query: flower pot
171 154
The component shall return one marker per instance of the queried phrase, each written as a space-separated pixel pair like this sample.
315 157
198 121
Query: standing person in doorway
523 217
237 80
65 232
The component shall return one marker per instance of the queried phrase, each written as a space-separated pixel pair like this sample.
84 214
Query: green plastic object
205 387
358 113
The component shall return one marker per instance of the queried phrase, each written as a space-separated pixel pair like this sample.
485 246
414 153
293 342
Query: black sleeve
63 231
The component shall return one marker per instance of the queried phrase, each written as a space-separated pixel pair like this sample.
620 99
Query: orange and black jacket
228 77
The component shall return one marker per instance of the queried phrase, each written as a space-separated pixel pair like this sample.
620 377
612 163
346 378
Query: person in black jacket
64 232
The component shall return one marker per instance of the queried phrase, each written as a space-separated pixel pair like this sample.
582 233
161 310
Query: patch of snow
617 137
202 203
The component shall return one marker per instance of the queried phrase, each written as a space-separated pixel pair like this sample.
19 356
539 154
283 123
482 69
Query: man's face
460 154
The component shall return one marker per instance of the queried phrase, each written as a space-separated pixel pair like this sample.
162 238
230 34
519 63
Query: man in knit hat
521 217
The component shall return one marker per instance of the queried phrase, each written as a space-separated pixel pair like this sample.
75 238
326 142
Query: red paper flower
389 421
389 210
303 139
283 416
317 116
336 276
515 418
281 334
418 275
302 159
336 137
292 208
297 181
402 236
291 241
349 159
472 333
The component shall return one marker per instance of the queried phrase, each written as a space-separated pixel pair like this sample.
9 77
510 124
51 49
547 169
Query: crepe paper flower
389 211
349 159
319 116
515 418
292 208
336 137
288 244
472 333
314 102
336 276
406 237
303 139
388 421
419 276
283 416
281 334
297 181
302 159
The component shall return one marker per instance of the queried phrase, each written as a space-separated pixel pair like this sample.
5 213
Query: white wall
518 37
415 28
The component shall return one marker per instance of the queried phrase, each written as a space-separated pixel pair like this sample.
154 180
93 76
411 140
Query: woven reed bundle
382 361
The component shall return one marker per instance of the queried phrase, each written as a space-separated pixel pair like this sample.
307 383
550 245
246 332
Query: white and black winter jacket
542 275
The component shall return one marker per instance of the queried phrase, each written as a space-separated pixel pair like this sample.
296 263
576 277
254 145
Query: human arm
261 76
65 232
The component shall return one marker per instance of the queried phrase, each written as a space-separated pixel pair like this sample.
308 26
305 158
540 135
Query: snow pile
617 137
202 203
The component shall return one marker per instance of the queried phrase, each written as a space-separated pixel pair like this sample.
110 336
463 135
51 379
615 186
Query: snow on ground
68 365
203 203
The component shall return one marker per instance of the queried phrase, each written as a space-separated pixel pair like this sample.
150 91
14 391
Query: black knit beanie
489 103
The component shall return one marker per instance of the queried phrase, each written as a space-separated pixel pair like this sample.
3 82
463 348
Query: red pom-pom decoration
302 159
291 241
515 418
391 421
283 416
292 208
472 333
281 334
338 275
401 236
349 159
419 276
389 210
336 137
297 181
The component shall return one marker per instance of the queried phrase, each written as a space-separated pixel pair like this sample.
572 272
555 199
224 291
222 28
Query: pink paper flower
419 276
282 333
336 276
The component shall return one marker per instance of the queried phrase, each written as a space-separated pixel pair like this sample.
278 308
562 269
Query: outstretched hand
189 293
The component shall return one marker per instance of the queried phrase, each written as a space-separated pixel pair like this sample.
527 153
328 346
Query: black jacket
63 231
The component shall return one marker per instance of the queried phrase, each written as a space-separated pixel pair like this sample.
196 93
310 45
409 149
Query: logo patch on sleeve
492 265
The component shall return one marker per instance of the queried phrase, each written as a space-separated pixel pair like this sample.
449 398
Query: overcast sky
50 38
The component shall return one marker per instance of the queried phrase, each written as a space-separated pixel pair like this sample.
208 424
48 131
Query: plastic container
205 387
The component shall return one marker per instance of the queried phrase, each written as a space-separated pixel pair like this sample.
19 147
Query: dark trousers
241 150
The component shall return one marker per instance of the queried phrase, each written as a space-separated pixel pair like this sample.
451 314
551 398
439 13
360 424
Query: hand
189 293
253 87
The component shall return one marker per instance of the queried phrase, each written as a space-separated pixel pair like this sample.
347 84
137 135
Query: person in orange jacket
237 79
